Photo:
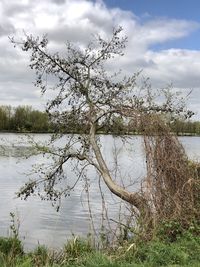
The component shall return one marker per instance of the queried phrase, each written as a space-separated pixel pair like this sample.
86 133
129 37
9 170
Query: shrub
11 246
40 256
77 247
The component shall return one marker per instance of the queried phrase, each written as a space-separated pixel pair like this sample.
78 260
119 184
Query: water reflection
39 221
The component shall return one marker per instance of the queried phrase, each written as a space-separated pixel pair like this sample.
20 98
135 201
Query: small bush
77 247
170 230
159 254
185 250
191 245
40 256
11 246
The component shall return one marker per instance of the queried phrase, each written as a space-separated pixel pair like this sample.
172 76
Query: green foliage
185 251
10 246
77 246
5 117
171 246
97 259
185 127
171 231
23 119
40 256
26 119
160 254
14 227
77 250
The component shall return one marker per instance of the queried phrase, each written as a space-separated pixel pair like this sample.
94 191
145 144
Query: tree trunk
135 199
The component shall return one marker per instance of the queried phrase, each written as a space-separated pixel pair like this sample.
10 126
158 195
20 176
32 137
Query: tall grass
185 251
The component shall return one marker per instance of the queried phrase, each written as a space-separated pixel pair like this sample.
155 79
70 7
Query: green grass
185 251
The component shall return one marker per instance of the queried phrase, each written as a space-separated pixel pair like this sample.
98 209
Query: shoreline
98 133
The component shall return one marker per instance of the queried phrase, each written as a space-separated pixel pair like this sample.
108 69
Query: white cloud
76 20
181 67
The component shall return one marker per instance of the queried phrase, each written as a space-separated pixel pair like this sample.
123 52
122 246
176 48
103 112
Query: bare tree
83 87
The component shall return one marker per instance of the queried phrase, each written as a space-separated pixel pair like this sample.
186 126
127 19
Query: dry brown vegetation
172 185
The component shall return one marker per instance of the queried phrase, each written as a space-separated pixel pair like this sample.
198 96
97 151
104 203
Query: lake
39 222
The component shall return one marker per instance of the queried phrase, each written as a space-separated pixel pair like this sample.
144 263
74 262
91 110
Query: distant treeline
23 119
186 127
178 126
27 119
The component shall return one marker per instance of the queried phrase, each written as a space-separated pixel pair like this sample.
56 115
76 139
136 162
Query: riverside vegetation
165 211
171 246
26 119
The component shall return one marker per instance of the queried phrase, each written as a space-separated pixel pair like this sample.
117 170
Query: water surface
39 221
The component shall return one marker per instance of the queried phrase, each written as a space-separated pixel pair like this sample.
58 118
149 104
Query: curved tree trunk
135 199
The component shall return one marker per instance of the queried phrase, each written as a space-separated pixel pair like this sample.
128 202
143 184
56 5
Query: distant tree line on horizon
27 119
23 119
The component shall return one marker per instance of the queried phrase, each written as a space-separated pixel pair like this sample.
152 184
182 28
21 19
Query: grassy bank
184 251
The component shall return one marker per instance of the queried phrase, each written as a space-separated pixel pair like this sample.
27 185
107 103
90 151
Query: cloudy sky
164 40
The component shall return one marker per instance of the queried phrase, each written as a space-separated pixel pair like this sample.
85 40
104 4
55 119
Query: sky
163 41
